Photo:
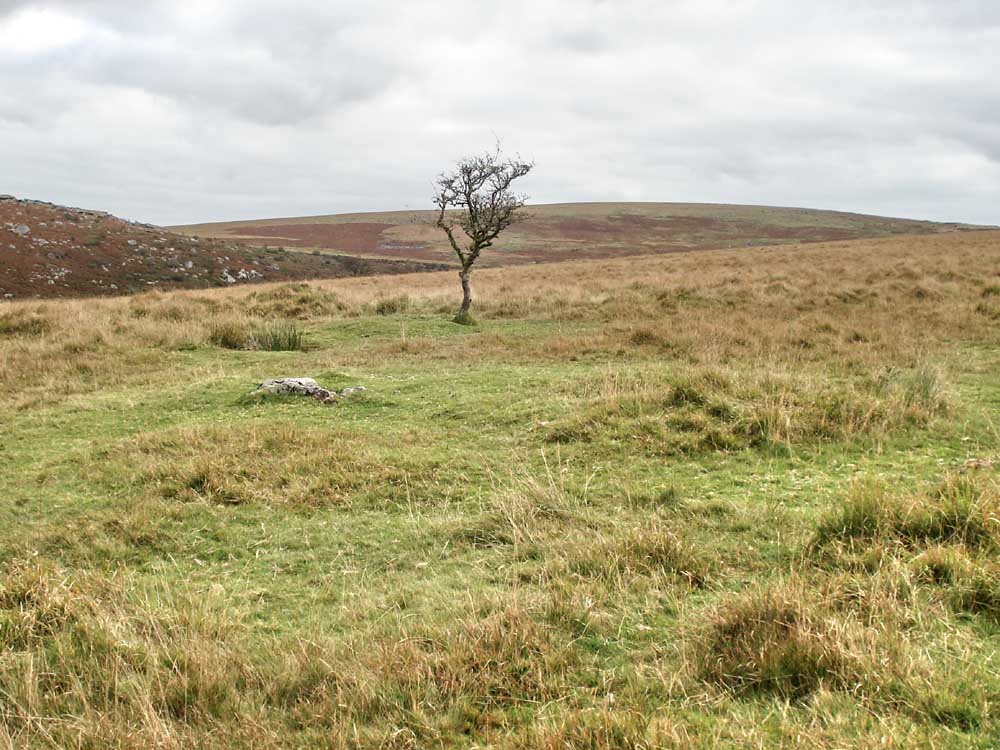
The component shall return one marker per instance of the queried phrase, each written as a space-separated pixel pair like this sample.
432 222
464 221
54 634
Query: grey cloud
181 110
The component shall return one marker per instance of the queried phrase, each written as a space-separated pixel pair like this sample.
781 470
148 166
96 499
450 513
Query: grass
698 501
266 336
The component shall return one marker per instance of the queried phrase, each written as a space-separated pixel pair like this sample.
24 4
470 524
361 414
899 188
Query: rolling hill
55 251
569 231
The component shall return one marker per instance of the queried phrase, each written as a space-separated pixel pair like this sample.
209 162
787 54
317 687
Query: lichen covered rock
306 387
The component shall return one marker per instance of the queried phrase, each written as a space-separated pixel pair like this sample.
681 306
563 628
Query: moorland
735 498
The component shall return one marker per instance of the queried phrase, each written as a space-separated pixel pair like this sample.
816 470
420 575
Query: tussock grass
862 615
807 637
595 729
133 672
989 310
523 511
266 336
392 305
24 323
278 337
83 663
961 510
616 514
948 536
787 641
270 464
706 409
618 556
971 582
230 334
845 308
292 301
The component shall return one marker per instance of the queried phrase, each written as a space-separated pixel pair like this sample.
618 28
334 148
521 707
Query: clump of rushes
281 336
271 336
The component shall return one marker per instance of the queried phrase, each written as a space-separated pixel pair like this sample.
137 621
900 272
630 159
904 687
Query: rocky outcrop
57 251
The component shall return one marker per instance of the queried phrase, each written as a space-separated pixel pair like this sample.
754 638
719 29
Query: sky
181 111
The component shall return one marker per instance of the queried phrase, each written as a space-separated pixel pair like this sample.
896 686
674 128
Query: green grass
520 535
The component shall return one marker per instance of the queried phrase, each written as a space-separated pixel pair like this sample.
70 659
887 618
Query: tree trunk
466 292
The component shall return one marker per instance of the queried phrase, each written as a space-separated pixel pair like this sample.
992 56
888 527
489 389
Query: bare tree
477 198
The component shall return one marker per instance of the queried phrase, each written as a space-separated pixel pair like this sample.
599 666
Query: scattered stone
306 387
298 387
22 229
228 277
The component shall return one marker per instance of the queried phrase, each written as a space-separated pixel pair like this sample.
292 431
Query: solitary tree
477 198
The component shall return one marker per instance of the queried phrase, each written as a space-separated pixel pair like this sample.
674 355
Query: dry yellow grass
860 302
491 550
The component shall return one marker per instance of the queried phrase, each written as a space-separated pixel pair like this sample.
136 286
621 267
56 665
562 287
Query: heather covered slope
55 251
572 231
733 499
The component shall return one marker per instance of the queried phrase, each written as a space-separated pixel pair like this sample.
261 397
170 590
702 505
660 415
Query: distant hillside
54 251
571 231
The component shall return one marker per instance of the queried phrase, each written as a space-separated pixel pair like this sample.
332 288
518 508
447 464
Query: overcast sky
178 111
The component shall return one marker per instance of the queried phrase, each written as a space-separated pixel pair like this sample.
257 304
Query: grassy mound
707 409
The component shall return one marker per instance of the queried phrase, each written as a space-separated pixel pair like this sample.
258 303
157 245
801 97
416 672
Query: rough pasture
729 499
572 231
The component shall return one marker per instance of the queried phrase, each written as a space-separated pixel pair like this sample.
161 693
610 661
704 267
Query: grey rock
298 387
22 229
306 387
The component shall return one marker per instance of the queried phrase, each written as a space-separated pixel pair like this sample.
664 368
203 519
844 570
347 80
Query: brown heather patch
560 232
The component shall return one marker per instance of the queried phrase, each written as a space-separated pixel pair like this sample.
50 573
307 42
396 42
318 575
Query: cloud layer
178 110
